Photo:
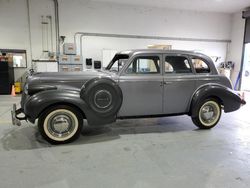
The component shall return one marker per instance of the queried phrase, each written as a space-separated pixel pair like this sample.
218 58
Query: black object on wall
97 65
89 62
6 77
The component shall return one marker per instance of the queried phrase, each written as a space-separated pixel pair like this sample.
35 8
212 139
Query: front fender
228 98
39 102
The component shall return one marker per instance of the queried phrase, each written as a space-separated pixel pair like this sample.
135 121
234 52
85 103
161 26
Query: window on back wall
16 57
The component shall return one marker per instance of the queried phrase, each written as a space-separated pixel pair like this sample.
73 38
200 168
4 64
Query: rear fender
226 96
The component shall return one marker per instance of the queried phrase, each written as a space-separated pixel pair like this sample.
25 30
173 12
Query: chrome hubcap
103 99
209 113
61 125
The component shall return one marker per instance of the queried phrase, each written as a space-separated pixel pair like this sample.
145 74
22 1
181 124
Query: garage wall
94 46
79 15
235 50
124 19
14 32
14 29
86 16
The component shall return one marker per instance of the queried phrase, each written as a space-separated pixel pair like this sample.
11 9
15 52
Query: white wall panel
87 16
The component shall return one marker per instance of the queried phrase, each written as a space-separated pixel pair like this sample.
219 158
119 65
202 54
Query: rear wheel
209 113
60 124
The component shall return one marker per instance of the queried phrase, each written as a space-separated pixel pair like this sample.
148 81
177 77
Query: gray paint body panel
143 95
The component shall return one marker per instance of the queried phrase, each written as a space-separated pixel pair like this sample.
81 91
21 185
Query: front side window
200 66
117 62
177 64
144 65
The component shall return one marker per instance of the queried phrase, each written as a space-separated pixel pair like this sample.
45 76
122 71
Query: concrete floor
145 153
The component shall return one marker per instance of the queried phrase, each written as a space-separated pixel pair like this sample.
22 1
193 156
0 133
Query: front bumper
16 120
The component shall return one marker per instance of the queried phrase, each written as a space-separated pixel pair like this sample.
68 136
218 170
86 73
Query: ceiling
226 6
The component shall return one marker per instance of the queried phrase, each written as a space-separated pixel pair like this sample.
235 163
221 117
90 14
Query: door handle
167 83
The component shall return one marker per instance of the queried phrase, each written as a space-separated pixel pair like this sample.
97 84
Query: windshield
117 62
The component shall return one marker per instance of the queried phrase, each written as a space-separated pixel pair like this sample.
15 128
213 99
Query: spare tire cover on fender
103 95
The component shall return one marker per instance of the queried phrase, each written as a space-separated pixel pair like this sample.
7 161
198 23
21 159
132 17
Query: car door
179 83
141 84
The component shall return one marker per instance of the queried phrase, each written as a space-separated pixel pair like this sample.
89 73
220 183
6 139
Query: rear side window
177 64
200 66
145 65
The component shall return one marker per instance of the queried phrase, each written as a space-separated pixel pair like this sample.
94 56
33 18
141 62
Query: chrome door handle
167 83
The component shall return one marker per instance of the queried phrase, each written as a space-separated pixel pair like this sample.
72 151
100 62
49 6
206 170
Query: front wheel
60 124
209 113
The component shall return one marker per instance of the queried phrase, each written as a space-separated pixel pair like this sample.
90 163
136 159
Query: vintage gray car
136 83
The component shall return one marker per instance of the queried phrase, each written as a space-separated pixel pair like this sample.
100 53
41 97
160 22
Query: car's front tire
208 114
60 124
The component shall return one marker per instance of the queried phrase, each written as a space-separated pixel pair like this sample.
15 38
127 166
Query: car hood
72 79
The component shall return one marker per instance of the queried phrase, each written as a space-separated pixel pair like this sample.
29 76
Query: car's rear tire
60 124
208 114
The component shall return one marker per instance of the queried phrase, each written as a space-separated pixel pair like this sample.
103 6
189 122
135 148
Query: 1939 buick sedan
136 83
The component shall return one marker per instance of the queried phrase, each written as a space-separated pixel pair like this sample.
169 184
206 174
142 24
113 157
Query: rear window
200 66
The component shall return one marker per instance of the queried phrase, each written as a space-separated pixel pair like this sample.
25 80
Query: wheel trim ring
108 94
215 107
47 132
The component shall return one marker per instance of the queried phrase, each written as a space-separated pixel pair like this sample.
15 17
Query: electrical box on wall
76 59
70 59
70 67
97 64
65 59
88 63
69 49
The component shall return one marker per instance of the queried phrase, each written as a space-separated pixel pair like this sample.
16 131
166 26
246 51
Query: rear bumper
242 97
16 120
243 102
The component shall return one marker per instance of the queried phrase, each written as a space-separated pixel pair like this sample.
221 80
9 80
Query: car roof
183 52
208 60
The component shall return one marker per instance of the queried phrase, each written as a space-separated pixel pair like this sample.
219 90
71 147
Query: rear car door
141 85
179 83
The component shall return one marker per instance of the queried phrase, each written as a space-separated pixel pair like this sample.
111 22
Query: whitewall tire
209 113
60 124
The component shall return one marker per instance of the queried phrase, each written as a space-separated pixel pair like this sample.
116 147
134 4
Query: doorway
245 75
